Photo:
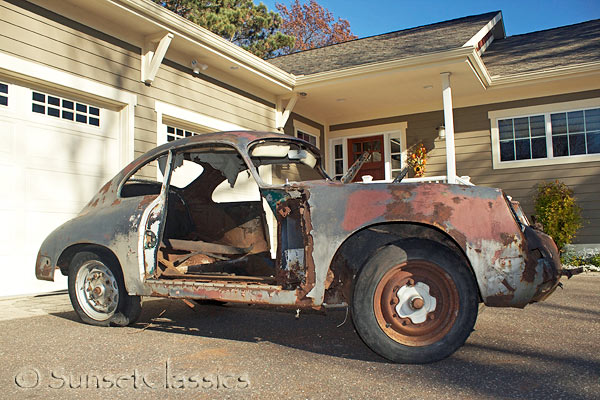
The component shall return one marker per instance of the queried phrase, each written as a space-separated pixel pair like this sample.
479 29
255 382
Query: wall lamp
441 131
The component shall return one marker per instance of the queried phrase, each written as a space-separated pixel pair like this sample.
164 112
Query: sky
374 17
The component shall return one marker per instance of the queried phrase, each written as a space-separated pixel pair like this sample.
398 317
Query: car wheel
97 291
415 302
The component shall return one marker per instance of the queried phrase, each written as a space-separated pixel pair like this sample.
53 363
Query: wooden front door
374 165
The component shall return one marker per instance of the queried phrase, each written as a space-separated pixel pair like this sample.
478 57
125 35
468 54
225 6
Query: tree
312 26
250 26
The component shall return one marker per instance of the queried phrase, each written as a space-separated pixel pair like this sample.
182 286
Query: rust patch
508 286
116 202
442 212
284 211
329 279
499 300
364 206
105 188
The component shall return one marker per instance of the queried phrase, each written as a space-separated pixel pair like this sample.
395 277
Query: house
85 87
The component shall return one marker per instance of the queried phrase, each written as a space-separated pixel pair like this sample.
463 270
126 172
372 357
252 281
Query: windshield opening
282 161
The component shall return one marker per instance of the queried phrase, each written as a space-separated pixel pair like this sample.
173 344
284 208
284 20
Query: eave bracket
281 114
153 53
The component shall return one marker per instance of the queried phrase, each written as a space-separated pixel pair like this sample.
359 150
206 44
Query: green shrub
556 210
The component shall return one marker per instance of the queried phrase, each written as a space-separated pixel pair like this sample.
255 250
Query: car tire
98 293
415 302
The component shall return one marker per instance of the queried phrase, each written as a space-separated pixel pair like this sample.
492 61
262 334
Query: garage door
55 153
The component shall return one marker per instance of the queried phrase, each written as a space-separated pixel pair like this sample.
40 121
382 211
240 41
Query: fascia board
426 60
578 70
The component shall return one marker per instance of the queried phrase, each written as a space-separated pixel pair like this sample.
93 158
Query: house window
306 136
395 155
174 133
338 160
66 109
561 133
3 94
522 138
576 132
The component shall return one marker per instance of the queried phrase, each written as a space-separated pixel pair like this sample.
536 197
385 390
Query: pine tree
250 26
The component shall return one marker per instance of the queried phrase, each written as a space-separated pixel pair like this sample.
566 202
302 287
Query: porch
388 140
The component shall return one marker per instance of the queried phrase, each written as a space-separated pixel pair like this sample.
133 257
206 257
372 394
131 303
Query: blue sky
374 17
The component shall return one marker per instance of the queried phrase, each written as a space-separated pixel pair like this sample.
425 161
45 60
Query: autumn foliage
417 159
312 25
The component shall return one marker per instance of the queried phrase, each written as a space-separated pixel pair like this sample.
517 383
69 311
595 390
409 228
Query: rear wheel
415 302
97 291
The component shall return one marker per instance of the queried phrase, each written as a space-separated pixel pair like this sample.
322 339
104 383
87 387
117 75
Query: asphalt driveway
547 350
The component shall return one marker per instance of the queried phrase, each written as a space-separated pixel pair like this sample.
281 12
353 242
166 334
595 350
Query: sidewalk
34 305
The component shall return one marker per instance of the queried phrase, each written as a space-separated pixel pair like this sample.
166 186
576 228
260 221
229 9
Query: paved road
548 350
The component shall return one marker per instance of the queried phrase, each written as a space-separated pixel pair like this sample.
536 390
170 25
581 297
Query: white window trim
331 163
311 130
194 118
49 77
398 130
545 110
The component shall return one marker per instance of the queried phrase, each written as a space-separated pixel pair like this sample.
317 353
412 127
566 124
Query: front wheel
415 302
97 291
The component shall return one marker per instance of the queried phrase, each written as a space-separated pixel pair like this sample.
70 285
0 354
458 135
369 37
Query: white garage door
55 153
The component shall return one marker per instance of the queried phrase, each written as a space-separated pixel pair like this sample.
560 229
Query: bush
556 210
589 259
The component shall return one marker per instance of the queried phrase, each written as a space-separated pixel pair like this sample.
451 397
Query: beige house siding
474 157
47 38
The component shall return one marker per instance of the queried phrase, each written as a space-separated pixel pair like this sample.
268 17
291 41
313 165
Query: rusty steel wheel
98 293
415 302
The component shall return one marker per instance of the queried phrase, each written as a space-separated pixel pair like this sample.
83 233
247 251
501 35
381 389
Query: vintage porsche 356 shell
256 220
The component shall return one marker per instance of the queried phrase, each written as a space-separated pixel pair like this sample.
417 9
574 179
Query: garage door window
59 107
3 94
174 133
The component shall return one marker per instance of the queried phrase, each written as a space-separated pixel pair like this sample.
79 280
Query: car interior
217 226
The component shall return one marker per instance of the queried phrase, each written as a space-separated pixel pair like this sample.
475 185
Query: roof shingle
389 46
544 50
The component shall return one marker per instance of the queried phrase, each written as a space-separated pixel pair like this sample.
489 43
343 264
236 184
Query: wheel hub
97 290
415 302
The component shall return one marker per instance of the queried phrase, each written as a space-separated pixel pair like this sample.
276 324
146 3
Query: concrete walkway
34 305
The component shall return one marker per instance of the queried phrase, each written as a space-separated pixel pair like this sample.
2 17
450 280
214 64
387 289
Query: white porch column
449 125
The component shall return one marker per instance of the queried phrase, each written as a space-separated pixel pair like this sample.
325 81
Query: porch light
441 131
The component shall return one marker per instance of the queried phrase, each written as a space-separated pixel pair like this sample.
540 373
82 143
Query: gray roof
543 50
389 46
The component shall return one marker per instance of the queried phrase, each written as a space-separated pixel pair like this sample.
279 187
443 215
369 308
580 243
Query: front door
374 166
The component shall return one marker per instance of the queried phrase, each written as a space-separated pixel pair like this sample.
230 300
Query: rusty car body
257 220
